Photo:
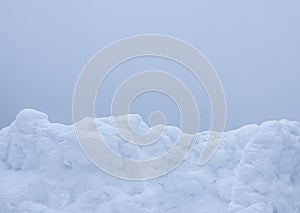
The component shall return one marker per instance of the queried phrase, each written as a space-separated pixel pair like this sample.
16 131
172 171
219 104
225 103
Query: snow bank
42 169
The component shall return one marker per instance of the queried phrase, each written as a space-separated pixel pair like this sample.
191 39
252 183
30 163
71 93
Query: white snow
43 169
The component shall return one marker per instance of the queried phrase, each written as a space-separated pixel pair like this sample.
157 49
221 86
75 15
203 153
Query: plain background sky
253 45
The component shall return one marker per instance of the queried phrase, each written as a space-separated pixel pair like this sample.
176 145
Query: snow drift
43 169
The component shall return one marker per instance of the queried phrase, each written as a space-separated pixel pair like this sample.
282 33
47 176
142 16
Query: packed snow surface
42 169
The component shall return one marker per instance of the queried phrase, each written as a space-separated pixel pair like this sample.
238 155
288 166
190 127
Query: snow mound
43 169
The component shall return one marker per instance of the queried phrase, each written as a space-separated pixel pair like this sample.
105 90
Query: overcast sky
254 47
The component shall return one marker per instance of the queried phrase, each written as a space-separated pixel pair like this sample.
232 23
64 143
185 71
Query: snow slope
42 169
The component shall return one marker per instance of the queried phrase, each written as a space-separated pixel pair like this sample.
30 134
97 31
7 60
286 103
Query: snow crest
43 169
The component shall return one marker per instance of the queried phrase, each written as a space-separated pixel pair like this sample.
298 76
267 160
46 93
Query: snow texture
42 169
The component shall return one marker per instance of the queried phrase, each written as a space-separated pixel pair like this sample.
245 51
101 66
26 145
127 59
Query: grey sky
253 45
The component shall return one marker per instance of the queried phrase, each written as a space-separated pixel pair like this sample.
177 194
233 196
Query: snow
43 169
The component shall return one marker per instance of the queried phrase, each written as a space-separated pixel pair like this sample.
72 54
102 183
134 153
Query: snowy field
42 169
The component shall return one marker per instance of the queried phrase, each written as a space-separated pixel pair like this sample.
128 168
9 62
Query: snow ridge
42 169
